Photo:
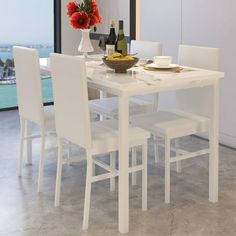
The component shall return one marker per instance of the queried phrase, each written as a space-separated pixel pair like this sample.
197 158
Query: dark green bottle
111 40
121 44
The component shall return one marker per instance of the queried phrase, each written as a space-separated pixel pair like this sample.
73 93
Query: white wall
113 9
161 22
213 23
209 23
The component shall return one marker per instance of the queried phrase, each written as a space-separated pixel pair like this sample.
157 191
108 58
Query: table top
138 81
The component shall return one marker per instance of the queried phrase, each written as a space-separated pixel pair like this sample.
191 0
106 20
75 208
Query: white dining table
138 81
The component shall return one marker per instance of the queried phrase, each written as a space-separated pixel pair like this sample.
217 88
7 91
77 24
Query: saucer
155 66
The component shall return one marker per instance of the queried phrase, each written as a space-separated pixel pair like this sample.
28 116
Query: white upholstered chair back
28 84
71 99
145 49
199 57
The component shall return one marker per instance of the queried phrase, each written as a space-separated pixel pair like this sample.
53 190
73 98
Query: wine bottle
111 40
121 44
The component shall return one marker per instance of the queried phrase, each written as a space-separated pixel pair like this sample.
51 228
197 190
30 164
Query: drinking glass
102 43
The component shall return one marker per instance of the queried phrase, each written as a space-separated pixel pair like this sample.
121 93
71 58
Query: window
25 23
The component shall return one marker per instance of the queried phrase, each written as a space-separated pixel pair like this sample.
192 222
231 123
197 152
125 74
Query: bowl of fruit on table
120 63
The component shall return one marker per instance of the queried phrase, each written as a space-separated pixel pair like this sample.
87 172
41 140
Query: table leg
214 146
29 142
123 164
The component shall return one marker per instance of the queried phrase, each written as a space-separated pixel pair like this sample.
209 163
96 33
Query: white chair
146 50
73 124
108 107
192 117
30 103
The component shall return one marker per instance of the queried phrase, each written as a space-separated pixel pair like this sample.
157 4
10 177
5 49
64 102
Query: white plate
154 66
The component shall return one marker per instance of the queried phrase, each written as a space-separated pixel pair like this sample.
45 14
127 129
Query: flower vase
85 45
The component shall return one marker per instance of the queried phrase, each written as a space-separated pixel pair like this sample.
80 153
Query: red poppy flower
94 7
99 19
71 8
80 20
94 20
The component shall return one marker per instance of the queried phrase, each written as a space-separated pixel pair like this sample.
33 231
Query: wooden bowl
120 66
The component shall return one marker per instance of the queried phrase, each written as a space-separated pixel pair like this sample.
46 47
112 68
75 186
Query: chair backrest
28 83
145 49
71 99
199 57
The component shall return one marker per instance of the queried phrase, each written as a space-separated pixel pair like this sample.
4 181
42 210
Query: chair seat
109 106
105 136
174 124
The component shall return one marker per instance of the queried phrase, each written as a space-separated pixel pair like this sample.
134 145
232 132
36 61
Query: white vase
85 45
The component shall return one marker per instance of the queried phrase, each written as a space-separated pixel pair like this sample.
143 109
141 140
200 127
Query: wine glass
102 43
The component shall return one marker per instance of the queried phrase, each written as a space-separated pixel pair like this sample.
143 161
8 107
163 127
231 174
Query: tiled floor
24 212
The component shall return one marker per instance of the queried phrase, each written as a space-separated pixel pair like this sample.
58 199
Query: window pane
25 23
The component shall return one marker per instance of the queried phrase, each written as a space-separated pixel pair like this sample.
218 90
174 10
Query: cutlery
133 54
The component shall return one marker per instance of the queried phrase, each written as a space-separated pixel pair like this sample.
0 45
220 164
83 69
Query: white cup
162 61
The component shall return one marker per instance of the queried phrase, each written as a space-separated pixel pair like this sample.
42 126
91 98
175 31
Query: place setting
163 63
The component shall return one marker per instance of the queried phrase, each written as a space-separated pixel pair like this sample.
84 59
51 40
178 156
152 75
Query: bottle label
110 49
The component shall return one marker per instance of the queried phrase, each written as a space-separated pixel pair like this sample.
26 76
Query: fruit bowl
120 65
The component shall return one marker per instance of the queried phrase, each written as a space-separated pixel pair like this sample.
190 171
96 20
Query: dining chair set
70 117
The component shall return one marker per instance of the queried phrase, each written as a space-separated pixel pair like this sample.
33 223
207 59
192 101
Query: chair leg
112 165
59 171
22 135
178 163
144 177
41 160
69 152
156 151
87 191
29 142
134 163
167 170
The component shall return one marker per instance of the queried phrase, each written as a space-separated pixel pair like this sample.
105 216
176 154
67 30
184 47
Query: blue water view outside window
29 24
